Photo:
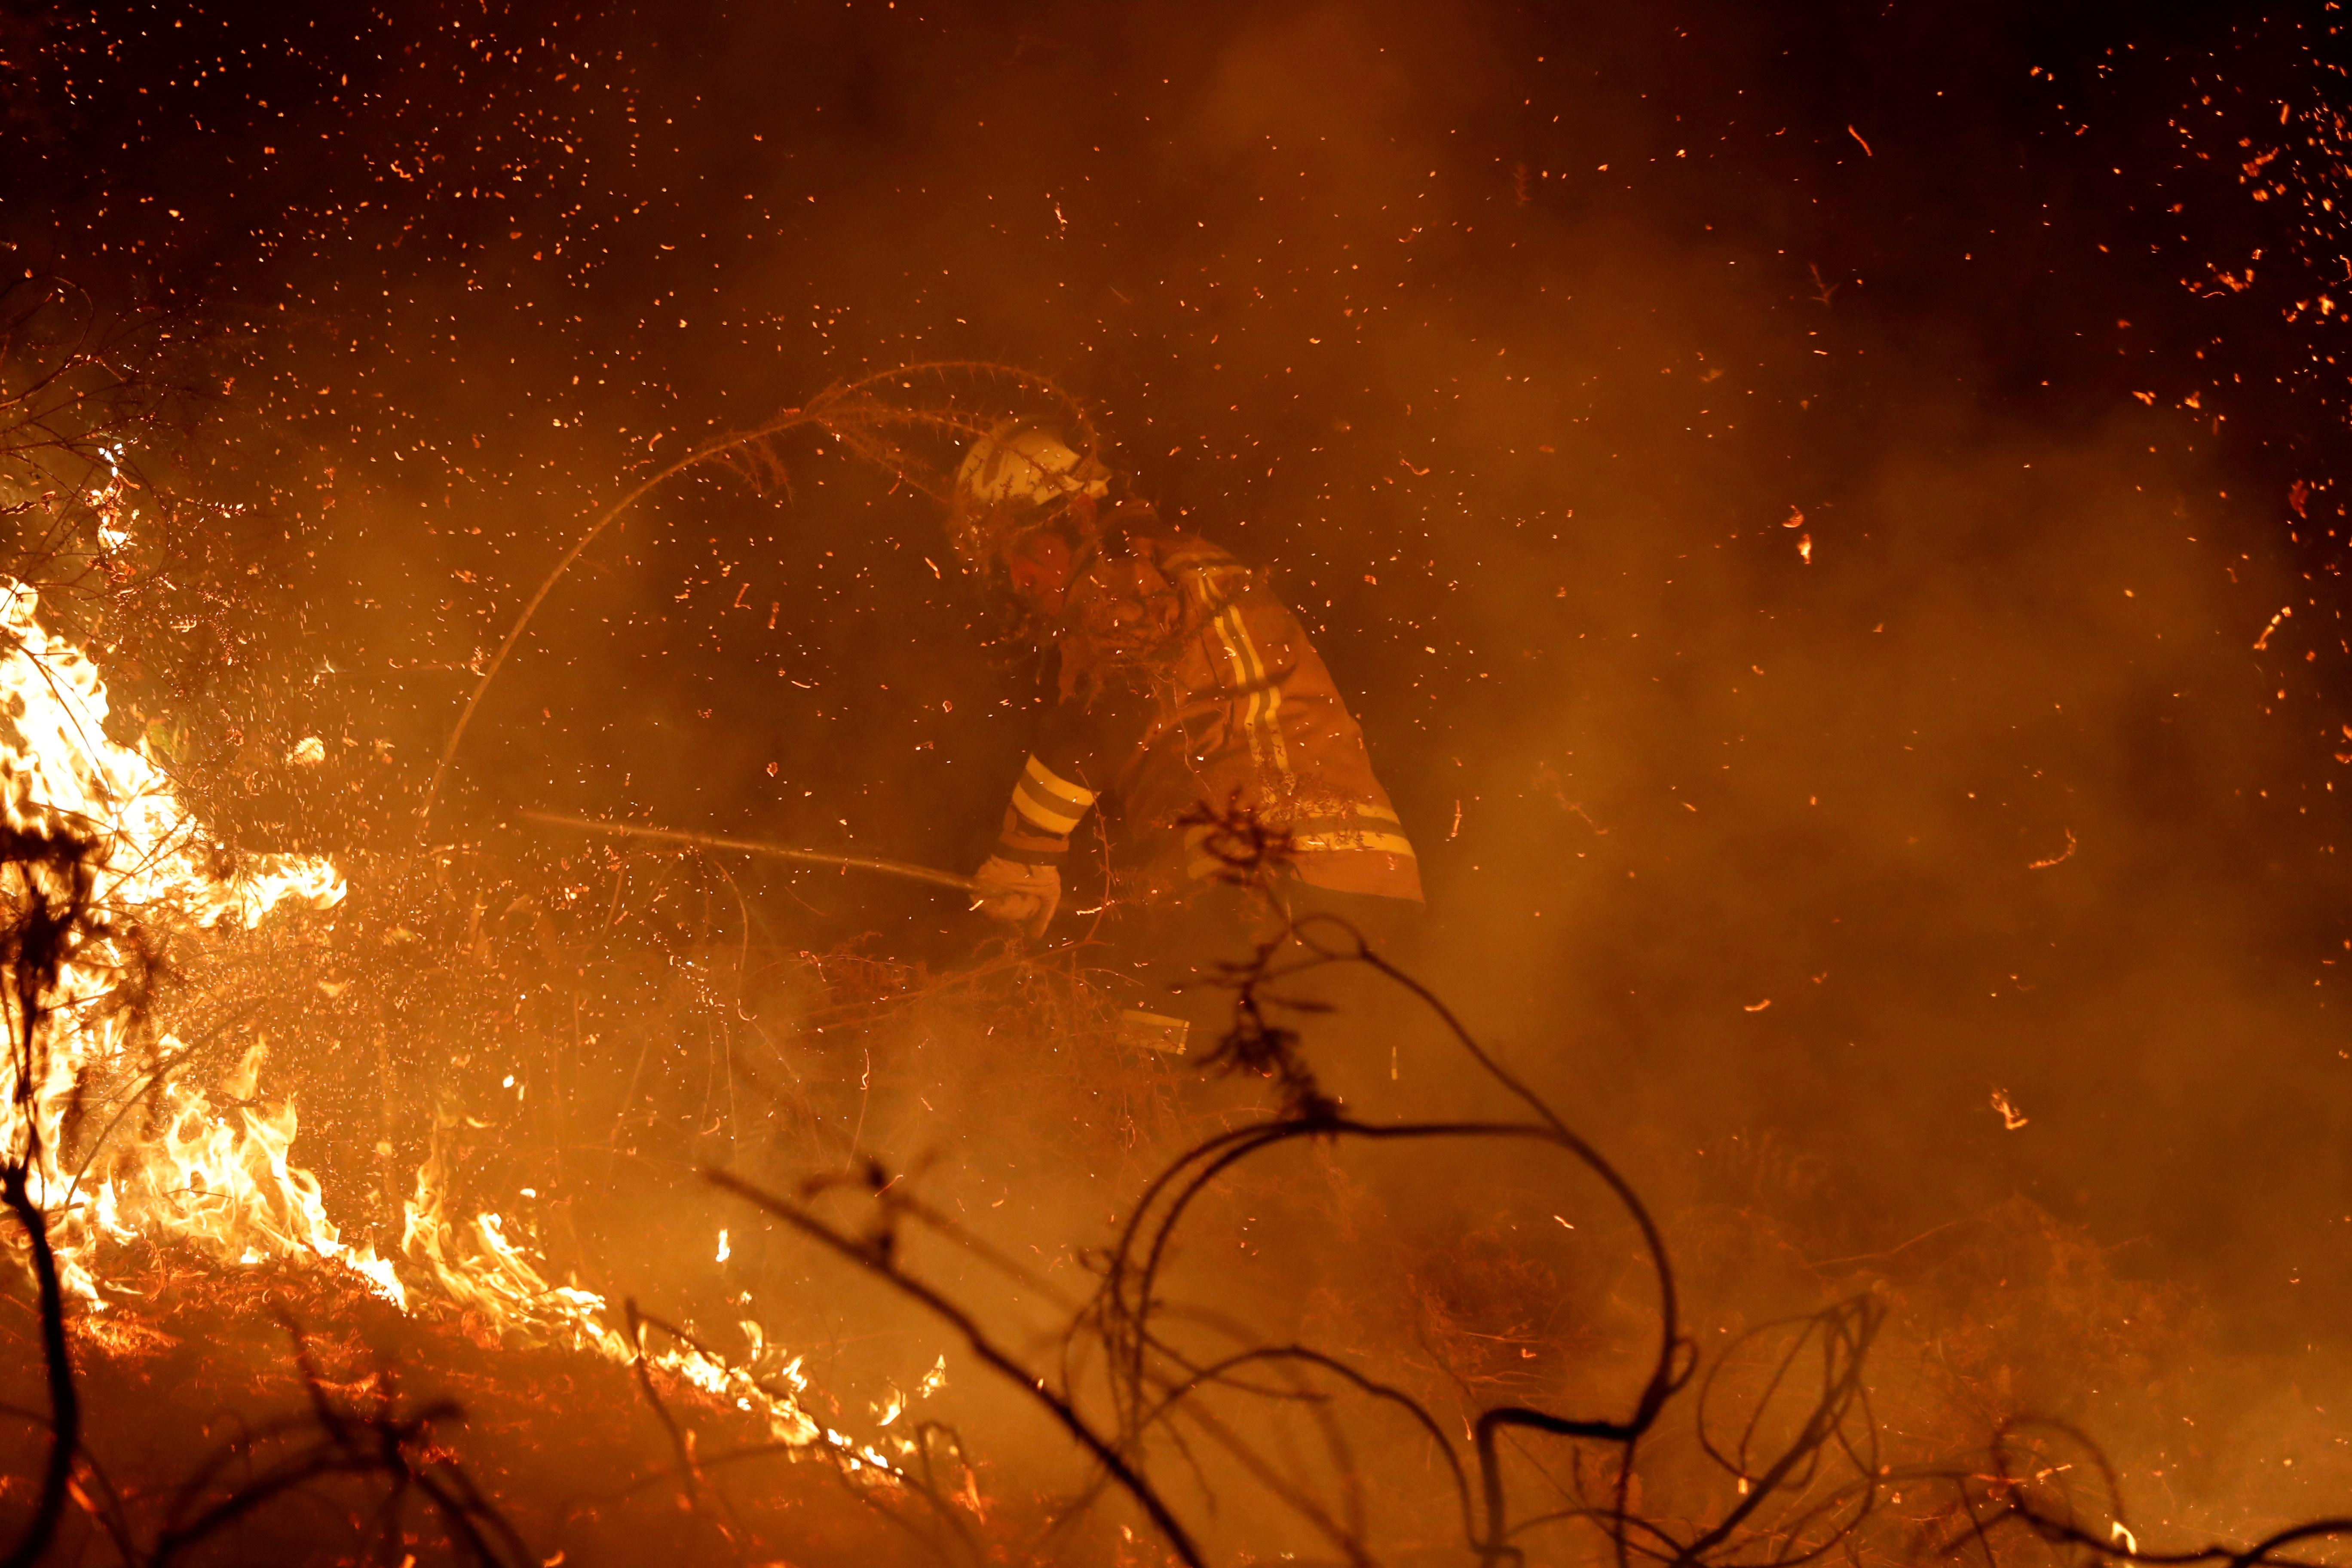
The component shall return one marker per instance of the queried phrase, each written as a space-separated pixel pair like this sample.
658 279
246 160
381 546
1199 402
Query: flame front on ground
221 1177
188 1172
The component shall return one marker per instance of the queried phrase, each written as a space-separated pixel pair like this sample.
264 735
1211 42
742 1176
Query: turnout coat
1190 696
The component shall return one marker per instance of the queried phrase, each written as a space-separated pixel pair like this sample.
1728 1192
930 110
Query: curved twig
863 415
715 447
1178 1538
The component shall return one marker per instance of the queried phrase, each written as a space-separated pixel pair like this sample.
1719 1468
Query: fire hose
900 869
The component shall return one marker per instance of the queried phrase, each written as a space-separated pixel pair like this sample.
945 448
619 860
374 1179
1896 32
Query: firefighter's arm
1022 881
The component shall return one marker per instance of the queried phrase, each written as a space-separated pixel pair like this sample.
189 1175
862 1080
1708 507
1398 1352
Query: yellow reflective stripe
1055 787
1352 841
1346 821
1049 802
1386 843
1260 713
1320 831
1045 816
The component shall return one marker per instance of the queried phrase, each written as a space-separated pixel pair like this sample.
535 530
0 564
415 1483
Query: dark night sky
1525 344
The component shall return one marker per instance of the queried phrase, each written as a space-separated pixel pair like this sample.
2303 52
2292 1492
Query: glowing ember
221 1177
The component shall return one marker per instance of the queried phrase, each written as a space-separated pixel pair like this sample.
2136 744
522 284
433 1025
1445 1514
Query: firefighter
1189 704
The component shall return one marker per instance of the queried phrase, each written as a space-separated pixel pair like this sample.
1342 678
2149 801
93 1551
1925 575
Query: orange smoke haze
1856 643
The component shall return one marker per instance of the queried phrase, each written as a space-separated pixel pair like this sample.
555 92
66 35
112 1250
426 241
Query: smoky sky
1788 501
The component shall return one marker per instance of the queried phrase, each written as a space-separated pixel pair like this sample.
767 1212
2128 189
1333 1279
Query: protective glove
1017 894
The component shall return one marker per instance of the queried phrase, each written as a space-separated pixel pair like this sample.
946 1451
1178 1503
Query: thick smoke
1830 707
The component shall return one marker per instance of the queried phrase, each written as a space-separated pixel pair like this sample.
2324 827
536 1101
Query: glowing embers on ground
180 1168
479 1267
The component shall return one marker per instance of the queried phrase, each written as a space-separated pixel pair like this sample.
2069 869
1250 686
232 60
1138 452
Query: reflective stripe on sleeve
1049 802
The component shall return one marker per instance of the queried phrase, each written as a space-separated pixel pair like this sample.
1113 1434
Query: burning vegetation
1170 787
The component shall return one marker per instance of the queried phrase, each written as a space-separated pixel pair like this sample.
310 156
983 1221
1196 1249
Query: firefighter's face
1038 567
1041 563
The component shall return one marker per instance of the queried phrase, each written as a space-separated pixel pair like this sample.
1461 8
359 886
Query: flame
476 1265
218 1179
220 1176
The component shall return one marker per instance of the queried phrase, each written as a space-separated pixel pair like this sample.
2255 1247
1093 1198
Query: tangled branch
1798 1454
46 879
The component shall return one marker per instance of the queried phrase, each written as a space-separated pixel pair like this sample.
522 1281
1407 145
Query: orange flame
222 1177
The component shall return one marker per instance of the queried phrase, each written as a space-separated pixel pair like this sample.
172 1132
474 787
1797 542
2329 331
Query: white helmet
1026 465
